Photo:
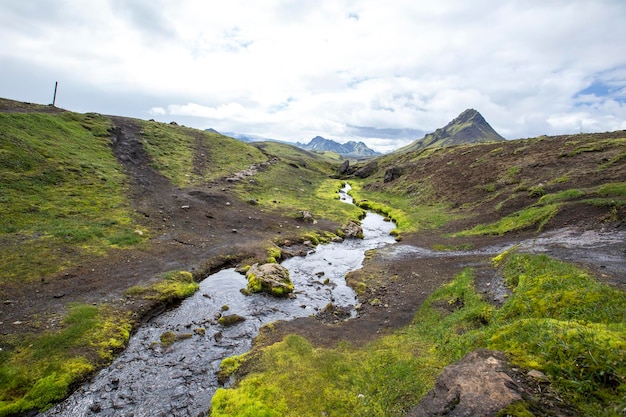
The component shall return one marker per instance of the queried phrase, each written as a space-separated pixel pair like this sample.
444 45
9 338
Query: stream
149 379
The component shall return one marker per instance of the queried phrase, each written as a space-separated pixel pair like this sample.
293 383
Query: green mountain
468 127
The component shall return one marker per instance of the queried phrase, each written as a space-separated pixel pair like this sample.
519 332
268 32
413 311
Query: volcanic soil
205 228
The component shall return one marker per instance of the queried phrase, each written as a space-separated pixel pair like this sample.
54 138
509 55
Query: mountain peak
468 127
352 148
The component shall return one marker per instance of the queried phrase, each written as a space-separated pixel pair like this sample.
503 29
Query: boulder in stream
270 278
353 229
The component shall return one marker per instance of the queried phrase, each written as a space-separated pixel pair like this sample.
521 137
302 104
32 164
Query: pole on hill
54 99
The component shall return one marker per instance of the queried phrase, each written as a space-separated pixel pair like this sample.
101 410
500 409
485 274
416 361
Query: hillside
468 127
106 221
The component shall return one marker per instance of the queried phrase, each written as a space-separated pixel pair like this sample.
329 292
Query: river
149 379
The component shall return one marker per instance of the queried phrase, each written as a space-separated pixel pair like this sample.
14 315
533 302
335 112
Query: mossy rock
270 278
230 320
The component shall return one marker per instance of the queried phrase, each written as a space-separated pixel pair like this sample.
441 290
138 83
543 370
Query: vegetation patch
526 218
296 184
172 286
179 153
60 188
408 214
37 371
576 339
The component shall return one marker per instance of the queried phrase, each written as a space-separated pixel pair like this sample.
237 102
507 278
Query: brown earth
205 228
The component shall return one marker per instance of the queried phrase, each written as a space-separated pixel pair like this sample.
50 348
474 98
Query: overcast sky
383 72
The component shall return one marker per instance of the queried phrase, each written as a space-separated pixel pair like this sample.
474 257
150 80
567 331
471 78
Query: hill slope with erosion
576 179
475 223
105 220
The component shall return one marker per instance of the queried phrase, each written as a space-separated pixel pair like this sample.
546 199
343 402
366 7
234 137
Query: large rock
270 278
345 166
353 229
475 386
367 170
392 173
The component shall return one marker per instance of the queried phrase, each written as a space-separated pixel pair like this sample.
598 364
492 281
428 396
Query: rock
270 278
307 217
475 386
367 170
230 320
353 229
392 173
537 375
344 167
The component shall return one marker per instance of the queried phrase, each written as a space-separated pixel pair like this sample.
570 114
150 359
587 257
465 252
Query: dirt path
199 229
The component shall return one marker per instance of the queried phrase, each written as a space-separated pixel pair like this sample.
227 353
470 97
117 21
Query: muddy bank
170 365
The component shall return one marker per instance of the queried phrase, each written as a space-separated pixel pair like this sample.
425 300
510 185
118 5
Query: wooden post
54 99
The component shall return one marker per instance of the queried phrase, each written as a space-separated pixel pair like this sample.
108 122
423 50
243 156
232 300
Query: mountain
351 148
468 127
247 138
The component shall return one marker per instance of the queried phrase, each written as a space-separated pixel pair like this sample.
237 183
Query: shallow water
180 380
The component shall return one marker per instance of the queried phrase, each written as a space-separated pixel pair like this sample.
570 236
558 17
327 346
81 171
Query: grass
172 286
559 320
62 191
37 371
298 182
409 214
174 148
610 195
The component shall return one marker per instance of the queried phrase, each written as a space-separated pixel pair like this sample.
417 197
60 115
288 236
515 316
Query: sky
381 72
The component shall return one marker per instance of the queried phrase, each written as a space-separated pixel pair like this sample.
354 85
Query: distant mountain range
468 127
350 148
317 144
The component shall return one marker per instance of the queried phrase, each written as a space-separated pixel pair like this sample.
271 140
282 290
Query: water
148 379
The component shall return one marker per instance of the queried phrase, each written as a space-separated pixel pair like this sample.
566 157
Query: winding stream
148 379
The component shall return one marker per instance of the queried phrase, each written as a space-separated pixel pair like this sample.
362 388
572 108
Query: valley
107 222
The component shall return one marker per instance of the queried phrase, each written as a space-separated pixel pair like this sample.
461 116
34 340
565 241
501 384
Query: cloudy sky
384 72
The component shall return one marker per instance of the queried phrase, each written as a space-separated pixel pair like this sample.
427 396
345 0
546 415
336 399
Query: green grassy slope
574 333
503 187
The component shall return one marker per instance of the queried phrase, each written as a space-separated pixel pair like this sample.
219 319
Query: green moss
529 217
173 286
254 283
409 214
167 338
575 337
515 409
230 365
274 255
617 189
37 371
566 195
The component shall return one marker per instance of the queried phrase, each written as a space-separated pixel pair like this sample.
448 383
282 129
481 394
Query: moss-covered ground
559 320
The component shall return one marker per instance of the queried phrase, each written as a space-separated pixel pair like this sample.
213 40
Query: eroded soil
207 227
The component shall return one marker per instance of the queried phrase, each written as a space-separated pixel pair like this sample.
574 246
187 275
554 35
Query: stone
270 278
392 174
345 166
307 217
353 229
367 170
475 386
230 320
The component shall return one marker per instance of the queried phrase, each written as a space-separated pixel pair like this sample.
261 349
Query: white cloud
292 70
